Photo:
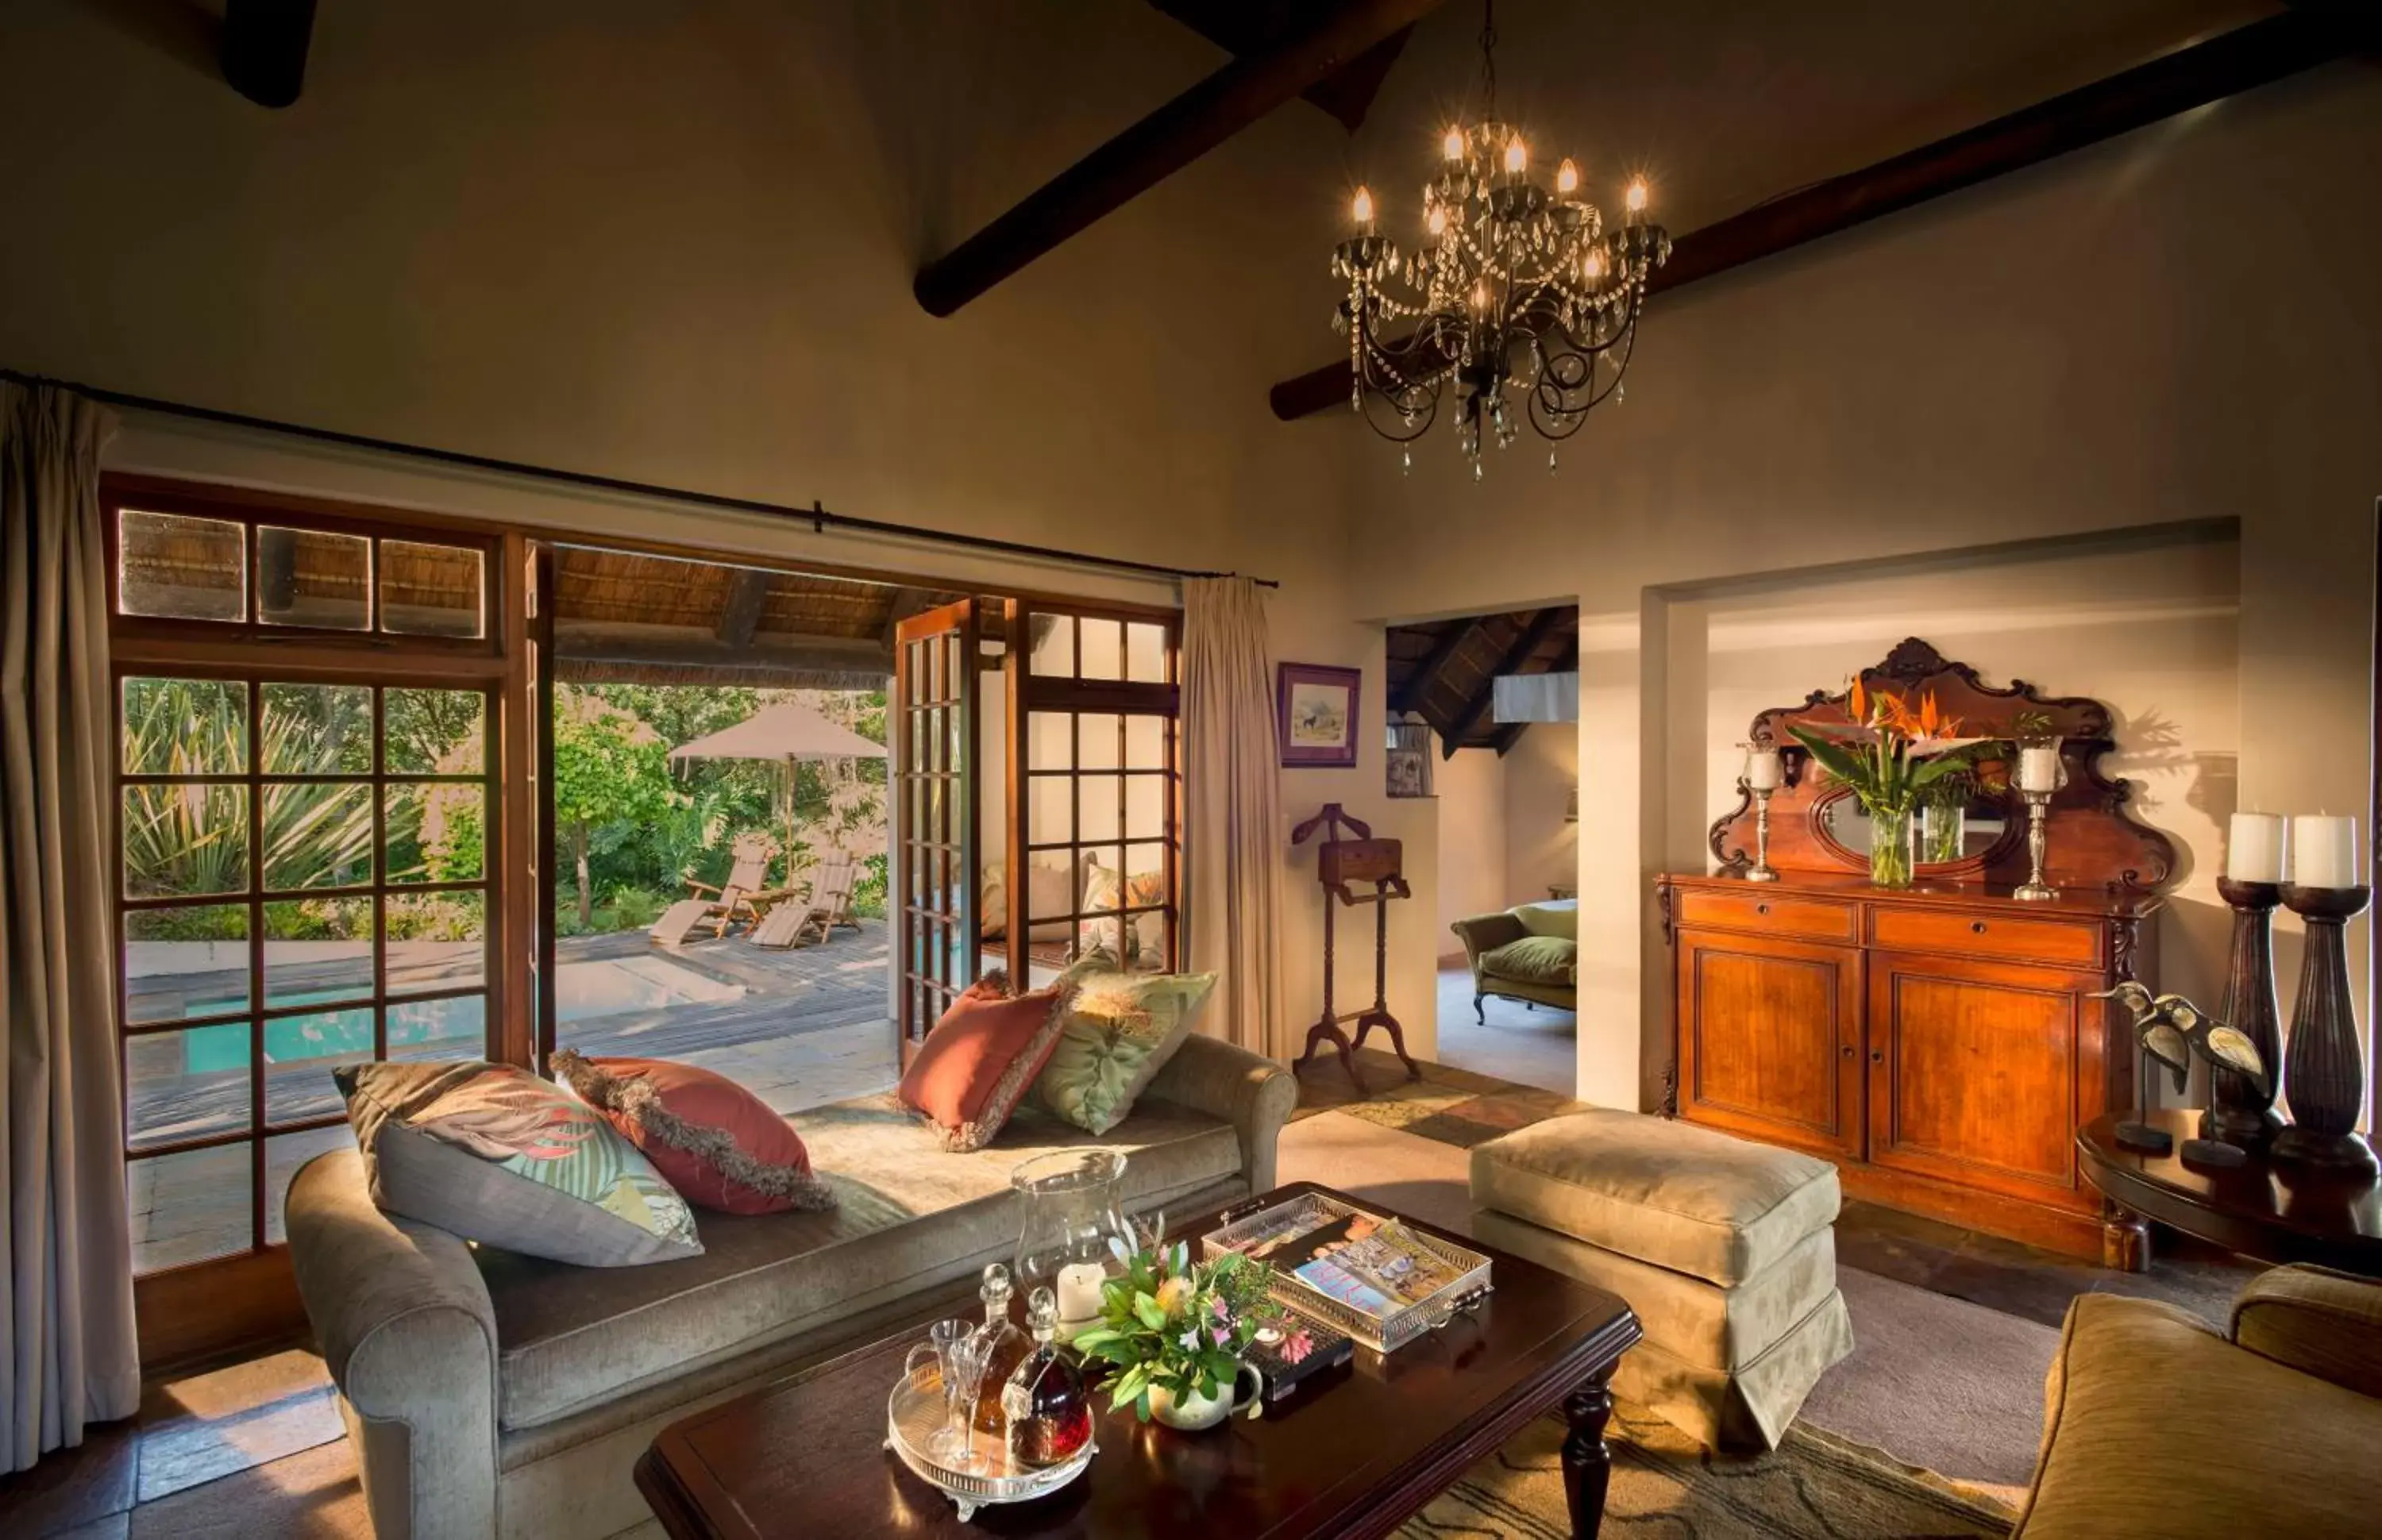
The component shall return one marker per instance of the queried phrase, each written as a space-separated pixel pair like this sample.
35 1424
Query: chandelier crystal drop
1518 299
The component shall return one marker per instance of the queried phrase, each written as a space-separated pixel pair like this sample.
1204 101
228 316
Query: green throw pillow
1534 960
1120 1029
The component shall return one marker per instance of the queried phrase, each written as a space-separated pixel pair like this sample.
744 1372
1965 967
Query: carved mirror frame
2093 840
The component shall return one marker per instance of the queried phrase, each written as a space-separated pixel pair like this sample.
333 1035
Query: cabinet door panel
1769 1038
1978 1070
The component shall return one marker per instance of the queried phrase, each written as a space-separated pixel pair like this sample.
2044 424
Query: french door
936 661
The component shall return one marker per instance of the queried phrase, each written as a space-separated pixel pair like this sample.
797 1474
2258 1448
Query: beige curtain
1233 797
68 1354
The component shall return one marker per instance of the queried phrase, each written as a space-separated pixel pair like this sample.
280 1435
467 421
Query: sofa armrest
1485 933
1248 1091
2316 1321
404 1322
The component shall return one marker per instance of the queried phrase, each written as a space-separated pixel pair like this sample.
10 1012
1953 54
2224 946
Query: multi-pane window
304 886
1101 807
304 839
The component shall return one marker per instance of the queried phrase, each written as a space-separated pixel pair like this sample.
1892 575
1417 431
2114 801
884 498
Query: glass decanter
1005 1345
1049 1410
1072 1215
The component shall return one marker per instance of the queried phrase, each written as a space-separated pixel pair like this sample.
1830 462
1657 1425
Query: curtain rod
820 518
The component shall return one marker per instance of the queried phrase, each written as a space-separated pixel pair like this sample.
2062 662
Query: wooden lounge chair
744 896
815 917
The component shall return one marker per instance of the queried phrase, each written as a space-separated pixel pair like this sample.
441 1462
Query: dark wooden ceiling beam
1154 149
263 48
2246 57
639 642
1510 733
1542 625
740 617
1242 29
1409 695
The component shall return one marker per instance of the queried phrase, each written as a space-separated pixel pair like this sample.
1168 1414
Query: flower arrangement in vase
1893 756
1174 1335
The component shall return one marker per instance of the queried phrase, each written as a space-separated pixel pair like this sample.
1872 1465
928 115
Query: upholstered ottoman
1726 1250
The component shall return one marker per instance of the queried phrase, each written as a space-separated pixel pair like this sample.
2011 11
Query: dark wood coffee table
2268 1209
1354 1454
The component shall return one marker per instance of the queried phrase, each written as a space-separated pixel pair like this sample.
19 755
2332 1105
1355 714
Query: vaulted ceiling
1444 669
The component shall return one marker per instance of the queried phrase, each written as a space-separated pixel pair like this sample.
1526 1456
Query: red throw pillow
974 1067
714 1141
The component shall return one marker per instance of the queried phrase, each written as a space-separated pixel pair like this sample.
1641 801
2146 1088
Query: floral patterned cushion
1115 1035
494 1155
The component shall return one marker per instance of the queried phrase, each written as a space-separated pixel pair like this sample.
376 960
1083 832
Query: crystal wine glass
948 1338
954 1446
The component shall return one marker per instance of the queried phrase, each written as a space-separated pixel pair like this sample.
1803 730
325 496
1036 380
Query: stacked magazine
1377 1269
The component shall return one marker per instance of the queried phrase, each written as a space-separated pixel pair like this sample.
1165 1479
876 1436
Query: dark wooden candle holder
2238 1113
2324 1074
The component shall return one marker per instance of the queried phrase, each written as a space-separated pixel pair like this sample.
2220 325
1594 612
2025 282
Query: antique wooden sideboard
1937 1042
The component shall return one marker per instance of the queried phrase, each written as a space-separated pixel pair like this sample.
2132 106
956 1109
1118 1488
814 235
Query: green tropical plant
609 770
1179 1326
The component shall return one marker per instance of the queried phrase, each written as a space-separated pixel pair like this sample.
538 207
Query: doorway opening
1502 762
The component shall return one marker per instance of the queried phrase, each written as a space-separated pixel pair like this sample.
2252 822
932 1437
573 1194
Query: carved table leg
2125 1241
1587 1463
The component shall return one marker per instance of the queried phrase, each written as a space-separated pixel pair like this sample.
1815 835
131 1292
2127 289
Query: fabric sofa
1530 953
2157 1426
488 1393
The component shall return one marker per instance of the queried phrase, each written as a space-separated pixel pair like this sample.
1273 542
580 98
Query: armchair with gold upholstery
1530 953
2155 1424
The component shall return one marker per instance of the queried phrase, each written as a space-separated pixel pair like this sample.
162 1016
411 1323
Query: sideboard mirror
1817 827
1990 821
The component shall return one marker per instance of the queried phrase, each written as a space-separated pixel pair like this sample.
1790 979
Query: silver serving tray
912 1415
1385 1334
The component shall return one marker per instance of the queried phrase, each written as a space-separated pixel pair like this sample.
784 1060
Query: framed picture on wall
1316 715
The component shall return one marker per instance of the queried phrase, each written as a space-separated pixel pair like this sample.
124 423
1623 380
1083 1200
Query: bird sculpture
2172 1030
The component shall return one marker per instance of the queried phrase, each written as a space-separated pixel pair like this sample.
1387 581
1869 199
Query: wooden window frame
1076 697
255 653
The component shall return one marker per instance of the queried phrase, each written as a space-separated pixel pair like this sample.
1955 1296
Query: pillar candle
1079 1290
2255 851
2323 851
1763 771
2038 767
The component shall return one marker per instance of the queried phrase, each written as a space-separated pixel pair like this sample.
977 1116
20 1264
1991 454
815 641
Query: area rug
1813 1487
1454 1107
1939 1382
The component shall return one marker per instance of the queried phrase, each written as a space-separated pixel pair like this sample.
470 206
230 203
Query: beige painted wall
1472 840
1541 847
2149 624
676 246
2118 338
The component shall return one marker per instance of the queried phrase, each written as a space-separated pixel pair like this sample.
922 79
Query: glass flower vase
1943 832
1889 847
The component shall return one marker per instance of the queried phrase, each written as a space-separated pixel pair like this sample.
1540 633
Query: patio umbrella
788 734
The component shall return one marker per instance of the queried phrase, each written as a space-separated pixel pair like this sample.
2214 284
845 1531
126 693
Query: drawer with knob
2070 942
1772 911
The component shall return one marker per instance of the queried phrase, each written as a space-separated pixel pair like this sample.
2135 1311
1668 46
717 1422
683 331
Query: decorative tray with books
1380 1280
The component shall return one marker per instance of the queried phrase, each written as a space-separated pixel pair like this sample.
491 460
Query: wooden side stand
1340 865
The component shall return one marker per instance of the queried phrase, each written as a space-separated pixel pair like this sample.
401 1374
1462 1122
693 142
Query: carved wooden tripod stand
1339 865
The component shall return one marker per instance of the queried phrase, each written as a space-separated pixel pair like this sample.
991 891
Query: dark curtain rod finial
816 515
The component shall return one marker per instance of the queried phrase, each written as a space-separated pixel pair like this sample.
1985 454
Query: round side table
2271 1210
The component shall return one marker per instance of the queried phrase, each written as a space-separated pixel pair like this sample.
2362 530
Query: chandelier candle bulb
1452 145
2323 851
2253 853
1567 178
1362 207
1518 155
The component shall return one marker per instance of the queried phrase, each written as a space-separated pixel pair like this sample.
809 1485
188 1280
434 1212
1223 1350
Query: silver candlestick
1761 871
2038 804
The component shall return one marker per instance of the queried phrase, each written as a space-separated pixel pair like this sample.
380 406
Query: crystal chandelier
1521 299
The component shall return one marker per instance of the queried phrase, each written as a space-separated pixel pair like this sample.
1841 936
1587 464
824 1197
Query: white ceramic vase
1194 1413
